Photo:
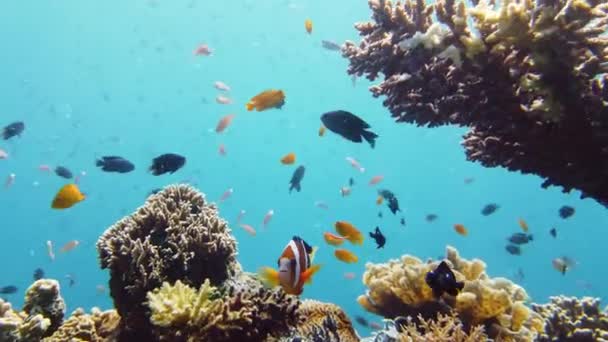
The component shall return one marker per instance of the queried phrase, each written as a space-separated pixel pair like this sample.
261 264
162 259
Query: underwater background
91 78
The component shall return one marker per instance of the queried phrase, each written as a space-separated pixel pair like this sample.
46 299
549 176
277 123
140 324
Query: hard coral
43 297
175 235
323 322
18 327
442 329
398 288
97 327
572 319
527 77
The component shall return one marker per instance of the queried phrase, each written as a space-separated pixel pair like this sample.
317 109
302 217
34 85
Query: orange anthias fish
350 232
308 25
523 225
67 196
69 246
346 256
224 123
322 131
333 239
289 159
267 99
460 229
295 267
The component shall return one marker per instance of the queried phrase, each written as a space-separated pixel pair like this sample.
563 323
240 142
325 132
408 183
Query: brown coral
97 327
442 329
43 297
528 79
175 235
572 319
324 322
19 327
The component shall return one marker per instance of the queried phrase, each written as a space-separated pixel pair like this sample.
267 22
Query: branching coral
97 327
572 319
398 288
176 235
323 322
442 329
19 327
527 77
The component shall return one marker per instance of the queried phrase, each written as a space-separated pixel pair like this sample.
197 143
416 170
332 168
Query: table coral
398 288
175 235
571 319
527 77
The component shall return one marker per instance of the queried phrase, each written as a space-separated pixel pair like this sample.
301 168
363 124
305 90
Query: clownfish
295 267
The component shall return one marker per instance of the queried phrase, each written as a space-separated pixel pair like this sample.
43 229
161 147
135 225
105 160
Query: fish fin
250 106
531 237
269 276
99 162
370 137
306 276
313 252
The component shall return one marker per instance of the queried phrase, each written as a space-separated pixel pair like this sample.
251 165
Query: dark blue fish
513 249
296 178
489 209
38 274
349 126
167 163
12 130
8 289
64 172
566 211
431 217
379 237
391 200
520 238
553 232
442 280
115 164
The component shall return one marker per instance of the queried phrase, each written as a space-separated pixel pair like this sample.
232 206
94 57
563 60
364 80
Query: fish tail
370 137
355 239
307 275
313 253
269 276
99 162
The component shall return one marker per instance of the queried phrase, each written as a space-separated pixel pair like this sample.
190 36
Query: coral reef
527 77
571 319
97 327
323 322
175 235
398 288
43 297
19 327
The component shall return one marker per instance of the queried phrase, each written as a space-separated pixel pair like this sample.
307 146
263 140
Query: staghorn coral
398 288
323 322
528 78
43 297
443 328
175 235
97 327
571 319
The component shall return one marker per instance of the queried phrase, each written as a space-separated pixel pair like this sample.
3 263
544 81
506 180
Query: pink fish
3 154
376 179
226 195
268 217
222 150
355 164
202 50
249 229
221 99
349 275
240 216
219 85
44 168
345 191
322 205
49 248
224 123
10 180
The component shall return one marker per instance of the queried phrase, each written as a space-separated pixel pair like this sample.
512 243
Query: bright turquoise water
92 78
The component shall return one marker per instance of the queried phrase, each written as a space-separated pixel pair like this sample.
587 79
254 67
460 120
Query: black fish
14 129
114 164
553 232
431 217
513 249
520 238
351 181
402 221
566 211
168 162
349 126
296 178
38 274
361 321
64 172
442 280
489 209
391 200
379 237
8 289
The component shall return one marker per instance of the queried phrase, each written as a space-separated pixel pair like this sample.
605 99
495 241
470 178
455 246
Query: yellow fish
267 99
67 196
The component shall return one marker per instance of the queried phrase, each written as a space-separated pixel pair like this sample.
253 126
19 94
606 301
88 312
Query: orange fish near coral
461 229
67 196
333 239
224 123
308 25
267 99
69 246
289 159
322 131
376 179
295 267
523 225
346 256
350 232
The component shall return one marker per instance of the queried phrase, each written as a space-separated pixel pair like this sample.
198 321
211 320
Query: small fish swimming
10 289
431 217
224 123
349 126
3 154
288 159
202 50
64 172
351 181
167 163
296 179
67 196
391 200
38 274
524 225
566 211
461 229
329 45
376 179
115 164
295 267
345 256
520 238
12 130
402 221
553 232
267 99
442 280
350 232
361 321
332 239
489 209
308 26
513 249
379 237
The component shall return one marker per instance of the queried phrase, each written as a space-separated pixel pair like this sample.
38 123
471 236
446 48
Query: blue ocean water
93 78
